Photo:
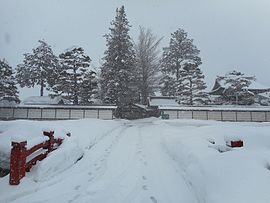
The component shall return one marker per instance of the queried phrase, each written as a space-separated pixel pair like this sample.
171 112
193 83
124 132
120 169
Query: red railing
19 154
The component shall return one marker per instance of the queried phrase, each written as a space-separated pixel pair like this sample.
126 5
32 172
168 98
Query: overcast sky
231 34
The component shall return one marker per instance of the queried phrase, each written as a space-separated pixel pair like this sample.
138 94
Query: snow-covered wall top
44 100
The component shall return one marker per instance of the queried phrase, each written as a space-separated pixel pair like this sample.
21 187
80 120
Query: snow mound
57 161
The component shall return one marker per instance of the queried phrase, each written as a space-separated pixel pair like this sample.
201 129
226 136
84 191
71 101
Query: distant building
44 100
261 92
7 103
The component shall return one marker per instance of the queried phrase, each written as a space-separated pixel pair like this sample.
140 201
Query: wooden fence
220 115
56 112
19 154
106 112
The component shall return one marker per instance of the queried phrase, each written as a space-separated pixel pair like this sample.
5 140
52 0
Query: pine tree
38 68
236 88
192 87
76 77
8 89
89 87
169 84
180 68
147 63
117 72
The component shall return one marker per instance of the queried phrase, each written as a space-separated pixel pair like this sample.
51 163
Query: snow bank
147 160
235 175
67 155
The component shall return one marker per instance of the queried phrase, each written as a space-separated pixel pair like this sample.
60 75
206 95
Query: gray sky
231 34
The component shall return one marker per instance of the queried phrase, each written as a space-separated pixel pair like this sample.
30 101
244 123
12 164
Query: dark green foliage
8 89
192 87
89 88
76 82
38 68
180 68
118 81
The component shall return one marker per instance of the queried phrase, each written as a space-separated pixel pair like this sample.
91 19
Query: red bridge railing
19 153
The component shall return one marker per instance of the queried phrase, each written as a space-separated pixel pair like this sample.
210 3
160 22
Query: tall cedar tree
117 72
8 89
76 81
147 63
38 68
236 91
177 71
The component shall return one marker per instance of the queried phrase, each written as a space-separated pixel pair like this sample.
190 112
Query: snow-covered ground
149 160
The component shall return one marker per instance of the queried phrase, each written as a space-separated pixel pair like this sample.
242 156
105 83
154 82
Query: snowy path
128 164
144 161
139 170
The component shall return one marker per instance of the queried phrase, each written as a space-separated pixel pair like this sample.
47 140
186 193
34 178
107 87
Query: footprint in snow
144 187
77 196
74 198
90 180
154 200
77 187
144 178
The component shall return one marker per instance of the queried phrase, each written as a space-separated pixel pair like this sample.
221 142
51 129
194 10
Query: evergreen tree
38 68
76 78
169 85
147 63
89 87
180 68
117 71
8 89
236 88
192 86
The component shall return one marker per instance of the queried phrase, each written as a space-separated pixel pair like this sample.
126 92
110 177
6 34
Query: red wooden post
50 141
16 164
23 159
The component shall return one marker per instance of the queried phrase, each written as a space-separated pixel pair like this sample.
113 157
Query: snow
42 100
257 86
148 160
6 103
218 108
253 86
163 101
72 106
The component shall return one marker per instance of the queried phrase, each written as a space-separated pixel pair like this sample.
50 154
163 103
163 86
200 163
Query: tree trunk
191 94
41 88
76 101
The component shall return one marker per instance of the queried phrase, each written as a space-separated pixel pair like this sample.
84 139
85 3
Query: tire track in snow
165 182
99 164
121 181
182 170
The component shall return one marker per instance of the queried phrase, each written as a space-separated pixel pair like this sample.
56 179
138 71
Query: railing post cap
17 144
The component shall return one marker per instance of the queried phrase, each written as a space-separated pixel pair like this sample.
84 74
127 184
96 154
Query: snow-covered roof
44 100
253 86
7 103
163 101
221 86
